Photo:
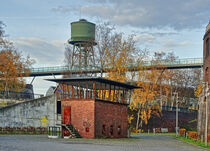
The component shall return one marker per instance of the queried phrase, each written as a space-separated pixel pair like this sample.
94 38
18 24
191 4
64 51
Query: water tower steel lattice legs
83 41
83 55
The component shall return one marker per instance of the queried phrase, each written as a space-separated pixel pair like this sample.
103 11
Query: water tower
83 41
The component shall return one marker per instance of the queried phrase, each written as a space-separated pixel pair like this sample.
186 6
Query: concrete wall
36 113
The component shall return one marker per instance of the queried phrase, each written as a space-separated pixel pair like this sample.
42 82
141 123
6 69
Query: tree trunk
137 121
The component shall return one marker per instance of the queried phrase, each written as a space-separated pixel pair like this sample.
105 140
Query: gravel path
138 143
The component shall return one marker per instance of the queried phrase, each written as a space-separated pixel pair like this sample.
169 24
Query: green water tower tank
82 31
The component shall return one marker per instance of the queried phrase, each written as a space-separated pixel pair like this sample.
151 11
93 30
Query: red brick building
206 55
94 107
204 100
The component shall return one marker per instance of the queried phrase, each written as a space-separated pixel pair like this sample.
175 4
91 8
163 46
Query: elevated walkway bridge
147 65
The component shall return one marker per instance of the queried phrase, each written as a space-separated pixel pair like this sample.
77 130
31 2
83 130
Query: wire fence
19 95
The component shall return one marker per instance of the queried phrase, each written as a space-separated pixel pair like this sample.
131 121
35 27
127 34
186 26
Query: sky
40 28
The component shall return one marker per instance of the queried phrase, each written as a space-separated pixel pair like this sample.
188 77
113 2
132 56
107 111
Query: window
207 47
58 107
119 130
103 129
111 129
206 73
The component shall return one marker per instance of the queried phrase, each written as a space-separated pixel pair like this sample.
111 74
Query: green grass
194 142
184 139
166 134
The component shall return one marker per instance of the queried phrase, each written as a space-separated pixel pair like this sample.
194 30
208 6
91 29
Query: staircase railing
72 130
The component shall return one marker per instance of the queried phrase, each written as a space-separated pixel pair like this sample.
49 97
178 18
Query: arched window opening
103 129
119 130
207 47
111 129
207 73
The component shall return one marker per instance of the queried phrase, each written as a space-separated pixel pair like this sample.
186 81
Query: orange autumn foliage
198 90
12 66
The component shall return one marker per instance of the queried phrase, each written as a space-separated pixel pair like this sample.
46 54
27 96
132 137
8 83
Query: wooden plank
123 96
104 92
94 90
87 93
72 91
99 95
110 92
113 97
68 87
79 90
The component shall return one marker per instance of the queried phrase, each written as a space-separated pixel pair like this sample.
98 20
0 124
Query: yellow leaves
198 90
130 118
117 59
12 66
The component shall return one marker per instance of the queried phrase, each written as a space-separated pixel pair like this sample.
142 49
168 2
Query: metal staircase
72 130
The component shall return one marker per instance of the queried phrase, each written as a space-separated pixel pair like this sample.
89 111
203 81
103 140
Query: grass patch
166 134
192 141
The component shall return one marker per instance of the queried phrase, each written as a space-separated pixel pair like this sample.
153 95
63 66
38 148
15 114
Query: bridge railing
178 62
63 68
188 61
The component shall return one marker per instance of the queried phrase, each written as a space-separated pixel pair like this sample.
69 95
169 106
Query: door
67 116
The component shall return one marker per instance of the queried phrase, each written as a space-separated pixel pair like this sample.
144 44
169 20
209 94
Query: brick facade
203 99
82 115
97 118
206 56
111 119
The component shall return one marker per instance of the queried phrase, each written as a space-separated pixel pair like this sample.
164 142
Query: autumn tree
105 35
12 66
143 100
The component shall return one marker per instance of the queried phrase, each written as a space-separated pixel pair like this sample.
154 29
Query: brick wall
82 116
202 100
111 119
206 65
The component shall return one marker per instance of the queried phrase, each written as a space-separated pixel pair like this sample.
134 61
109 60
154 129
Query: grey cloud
64 9
172 43
159 34
45 53
144 38
177 14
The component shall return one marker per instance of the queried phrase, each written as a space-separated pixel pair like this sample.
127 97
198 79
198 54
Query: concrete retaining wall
35 113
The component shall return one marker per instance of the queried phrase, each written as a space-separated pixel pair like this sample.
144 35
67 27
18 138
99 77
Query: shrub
192 134
182 132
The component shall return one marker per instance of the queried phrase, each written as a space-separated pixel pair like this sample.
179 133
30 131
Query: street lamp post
177 113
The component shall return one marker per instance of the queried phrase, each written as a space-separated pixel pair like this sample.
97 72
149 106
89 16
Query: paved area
137 143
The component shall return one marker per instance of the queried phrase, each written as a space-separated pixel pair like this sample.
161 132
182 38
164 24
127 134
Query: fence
19 95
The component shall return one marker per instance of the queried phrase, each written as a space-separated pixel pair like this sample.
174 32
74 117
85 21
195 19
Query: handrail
188 61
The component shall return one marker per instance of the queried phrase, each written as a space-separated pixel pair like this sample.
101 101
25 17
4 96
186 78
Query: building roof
74 81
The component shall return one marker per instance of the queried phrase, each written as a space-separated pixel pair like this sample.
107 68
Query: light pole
177 112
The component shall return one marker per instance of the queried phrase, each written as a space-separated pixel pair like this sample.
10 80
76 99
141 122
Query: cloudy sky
40 28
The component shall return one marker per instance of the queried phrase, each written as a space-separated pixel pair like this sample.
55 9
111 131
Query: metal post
177 116
177 113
